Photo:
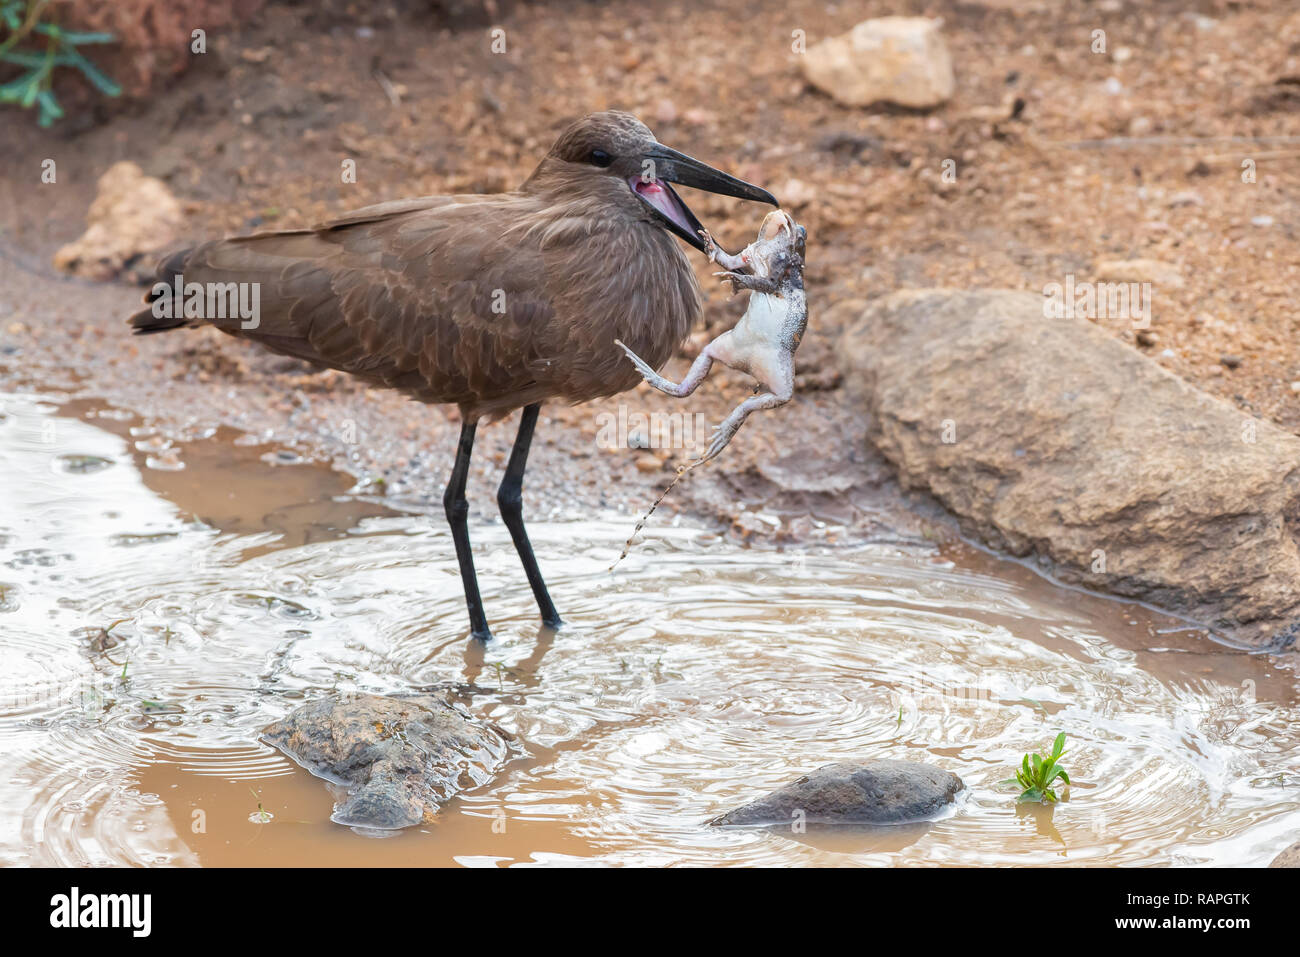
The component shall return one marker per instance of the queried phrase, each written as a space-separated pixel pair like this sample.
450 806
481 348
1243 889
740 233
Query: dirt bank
254 132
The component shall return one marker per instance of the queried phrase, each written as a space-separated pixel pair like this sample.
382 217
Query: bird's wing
432 296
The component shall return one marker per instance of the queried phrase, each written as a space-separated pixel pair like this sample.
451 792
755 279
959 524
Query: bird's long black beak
662 165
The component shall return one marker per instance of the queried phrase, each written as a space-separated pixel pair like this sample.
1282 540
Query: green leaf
29 95
13 91
50 109
20 58
93 73
1058 746
72 36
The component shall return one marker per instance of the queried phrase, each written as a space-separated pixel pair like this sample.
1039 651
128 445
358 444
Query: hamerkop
492 302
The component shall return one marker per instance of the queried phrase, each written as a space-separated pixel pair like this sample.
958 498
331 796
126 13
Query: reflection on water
154 617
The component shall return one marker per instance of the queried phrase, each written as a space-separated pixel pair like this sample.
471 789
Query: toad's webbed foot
641 365
729 426
699 369
722 435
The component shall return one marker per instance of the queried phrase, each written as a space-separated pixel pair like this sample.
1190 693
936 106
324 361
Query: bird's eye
600 158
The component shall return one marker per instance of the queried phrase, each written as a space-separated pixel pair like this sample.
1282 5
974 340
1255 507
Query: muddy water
161 603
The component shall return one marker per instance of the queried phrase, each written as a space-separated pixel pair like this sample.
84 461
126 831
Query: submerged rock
1288 858
901 60
876 792
399 757
1051 438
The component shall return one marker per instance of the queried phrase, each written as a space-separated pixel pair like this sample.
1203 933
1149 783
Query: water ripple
146 647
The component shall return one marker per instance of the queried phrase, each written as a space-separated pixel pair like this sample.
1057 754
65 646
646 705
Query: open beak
662 166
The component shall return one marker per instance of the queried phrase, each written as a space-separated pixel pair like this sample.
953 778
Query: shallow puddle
160 604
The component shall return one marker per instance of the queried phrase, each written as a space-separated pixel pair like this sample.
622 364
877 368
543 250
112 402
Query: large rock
1051 438
877 792
901 60
132 218
1288 858
399 757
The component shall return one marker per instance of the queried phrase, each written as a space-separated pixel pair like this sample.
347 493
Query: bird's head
615 155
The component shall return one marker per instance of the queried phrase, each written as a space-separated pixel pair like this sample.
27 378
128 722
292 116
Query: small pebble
1262 221
1147 337
648 463
1230 361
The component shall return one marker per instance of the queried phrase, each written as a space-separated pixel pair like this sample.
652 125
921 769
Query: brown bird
491 302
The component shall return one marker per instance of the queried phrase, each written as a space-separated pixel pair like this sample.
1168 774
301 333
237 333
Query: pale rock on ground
133 217
1052 439
900 60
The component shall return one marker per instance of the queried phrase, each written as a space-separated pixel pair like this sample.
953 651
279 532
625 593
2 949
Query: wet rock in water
875 792
399 757
133 217
902 60
1288 858
1051 438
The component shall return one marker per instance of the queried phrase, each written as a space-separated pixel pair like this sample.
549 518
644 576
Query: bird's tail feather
150 320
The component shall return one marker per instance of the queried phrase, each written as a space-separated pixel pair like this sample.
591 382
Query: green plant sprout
45 46
262 816
1037 774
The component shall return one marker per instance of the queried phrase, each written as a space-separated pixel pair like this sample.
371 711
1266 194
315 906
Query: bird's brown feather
490 302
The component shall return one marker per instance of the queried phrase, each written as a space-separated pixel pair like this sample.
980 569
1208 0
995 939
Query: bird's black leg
457 508
510 496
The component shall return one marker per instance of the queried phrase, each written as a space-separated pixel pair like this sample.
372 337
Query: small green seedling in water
262 816
1037 774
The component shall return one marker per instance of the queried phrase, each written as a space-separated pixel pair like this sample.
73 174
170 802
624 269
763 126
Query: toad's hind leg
732 423
698 371
780 392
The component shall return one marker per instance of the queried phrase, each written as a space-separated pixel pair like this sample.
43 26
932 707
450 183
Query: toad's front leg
720 256
743 280
698 371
